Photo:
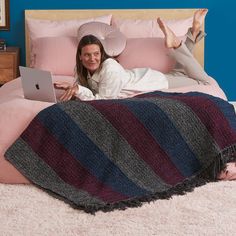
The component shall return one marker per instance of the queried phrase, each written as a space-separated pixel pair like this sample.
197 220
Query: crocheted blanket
109 154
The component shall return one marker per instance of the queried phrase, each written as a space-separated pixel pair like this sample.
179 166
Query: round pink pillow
111 38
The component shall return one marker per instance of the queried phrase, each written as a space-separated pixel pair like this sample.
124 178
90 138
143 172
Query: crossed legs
187 70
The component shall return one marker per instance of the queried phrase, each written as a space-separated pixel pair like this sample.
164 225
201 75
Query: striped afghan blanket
109 154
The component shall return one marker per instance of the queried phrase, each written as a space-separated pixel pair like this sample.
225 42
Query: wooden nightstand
9 64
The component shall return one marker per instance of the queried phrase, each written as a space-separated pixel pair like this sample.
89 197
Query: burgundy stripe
141 141
224 136
67 168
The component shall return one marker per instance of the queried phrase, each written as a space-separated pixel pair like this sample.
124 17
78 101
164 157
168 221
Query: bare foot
171 40
198 19
229 173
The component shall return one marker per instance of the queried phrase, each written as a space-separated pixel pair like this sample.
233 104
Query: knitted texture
107 154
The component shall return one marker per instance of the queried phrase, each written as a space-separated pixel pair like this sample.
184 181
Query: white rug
209 210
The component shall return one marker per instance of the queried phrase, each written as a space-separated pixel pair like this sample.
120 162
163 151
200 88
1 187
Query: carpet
209 210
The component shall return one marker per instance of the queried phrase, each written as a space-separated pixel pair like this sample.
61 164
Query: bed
47 29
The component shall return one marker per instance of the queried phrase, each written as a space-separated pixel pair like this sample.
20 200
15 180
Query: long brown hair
80 69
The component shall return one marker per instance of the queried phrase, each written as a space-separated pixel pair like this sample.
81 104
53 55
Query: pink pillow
179 27
52 28
56 54
134 28
112 39
146 52
149 28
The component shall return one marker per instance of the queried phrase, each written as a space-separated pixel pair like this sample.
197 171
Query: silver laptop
37 84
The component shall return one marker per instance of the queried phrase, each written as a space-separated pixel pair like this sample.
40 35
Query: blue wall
220 45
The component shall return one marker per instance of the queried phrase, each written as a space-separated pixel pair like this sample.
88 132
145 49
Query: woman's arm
111 80
79 91
70 90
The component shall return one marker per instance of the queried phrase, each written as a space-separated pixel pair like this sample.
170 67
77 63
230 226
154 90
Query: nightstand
9 64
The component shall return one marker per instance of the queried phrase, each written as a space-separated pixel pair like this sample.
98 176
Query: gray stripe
104 135
27 161
191 128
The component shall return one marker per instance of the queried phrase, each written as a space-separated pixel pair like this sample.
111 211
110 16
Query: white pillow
111 38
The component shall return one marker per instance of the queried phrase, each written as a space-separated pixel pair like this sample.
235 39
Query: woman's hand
70 90
62 85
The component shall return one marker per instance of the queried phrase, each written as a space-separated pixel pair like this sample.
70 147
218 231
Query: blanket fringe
209 174
225 156
180 189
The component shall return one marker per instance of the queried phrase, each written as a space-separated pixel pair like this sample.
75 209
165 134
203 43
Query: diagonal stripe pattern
106 154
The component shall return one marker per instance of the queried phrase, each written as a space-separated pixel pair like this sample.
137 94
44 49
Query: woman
102 77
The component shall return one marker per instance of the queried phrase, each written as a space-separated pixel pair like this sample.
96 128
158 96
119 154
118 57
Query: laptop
37 84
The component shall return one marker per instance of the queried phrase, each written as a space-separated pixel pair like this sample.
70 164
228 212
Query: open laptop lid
37 84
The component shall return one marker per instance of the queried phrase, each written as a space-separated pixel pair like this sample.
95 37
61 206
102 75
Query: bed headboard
122 13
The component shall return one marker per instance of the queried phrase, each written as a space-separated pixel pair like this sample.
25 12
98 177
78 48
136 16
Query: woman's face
91 57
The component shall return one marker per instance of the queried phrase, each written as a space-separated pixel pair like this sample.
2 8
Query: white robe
113 81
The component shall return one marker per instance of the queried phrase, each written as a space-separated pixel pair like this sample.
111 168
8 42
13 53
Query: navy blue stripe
84 150
224 106
173 144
